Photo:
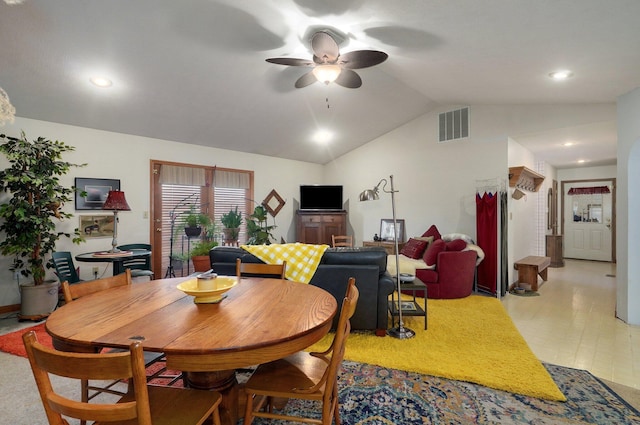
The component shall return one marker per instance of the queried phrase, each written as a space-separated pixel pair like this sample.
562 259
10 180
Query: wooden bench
530 267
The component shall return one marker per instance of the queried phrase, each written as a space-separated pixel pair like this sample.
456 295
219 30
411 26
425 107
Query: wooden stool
530 267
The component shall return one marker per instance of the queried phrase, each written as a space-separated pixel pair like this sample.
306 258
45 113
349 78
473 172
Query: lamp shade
369 195
116 201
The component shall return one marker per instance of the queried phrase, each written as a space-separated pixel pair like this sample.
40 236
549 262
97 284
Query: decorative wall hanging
273 203
96 226
97 191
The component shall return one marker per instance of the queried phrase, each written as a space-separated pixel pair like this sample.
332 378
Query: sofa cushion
431 254
414 248
433 231
357 256
456 245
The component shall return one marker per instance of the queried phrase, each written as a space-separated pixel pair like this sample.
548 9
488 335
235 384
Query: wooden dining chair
143 404
342 241
261 269
308 376
78 290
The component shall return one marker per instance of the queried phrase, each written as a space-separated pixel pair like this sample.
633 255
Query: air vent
454 125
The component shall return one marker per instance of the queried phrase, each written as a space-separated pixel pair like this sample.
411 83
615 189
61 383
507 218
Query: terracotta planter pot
201 263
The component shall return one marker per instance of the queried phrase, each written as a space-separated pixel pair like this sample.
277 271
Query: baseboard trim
9 308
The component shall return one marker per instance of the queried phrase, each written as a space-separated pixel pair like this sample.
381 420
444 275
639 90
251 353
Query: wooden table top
259 321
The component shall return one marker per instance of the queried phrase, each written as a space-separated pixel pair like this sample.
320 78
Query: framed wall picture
96 226
387 231
96 190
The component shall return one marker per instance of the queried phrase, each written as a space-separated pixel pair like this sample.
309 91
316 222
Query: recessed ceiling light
323 136
561 75
101 81
568 144
582 161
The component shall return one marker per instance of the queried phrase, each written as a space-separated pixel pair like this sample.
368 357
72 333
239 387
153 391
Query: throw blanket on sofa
302 259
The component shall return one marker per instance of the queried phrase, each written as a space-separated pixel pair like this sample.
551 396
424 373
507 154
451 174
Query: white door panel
587 221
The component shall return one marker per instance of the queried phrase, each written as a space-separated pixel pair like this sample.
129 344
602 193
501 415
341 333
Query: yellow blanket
302 259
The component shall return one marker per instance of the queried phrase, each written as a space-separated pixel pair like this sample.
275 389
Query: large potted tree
29 215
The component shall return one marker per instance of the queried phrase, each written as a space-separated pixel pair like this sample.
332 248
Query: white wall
628 205
522 218
127 157
435 181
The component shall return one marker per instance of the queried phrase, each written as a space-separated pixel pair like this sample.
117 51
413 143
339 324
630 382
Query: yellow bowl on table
214 295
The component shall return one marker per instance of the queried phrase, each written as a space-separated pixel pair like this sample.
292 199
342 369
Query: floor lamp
115 202
400 331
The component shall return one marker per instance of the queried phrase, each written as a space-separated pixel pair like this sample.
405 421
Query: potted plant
231 222
200 255
200 252
194 222
29 216
258 231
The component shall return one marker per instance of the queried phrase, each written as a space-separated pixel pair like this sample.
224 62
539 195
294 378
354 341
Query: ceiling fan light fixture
327 73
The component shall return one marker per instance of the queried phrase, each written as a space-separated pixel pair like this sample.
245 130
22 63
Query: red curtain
487 234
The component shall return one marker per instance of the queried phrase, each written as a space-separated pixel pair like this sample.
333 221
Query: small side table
389 246
413 307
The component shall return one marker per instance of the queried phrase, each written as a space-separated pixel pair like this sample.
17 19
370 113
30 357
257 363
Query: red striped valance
588 190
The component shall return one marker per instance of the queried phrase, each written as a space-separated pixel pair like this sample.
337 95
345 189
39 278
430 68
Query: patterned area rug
372 394
376 395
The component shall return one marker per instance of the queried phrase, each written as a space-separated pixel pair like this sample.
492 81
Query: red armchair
453 276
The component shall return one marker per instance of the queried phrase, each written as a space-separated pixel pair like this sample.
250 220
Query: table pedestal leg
225 383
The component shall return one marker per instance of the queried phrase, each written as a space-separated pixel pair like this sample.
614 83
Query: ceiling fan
329 65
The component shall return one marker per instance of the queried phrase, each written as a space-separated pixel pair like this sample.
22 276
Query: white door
587 222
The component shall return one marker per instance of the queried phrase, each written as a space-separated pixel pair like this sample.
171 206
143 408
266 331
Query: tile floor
572 323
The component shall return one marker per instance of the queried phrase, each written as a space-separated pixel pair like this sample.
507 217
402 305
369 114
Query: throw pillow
414 248
427 239
456 245
433 231
431 254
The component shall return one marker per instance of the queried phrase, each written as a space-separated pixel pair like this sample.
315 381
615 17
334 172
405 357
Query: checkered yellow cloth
302 259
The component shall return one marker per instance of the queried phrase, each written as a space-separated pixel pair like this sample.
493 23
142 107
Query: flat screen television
321 197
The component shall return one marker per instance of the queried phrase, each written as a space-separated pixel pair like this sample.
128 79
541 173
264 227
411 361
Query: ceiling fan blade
306 80
362 59
290 61
324 47
349 79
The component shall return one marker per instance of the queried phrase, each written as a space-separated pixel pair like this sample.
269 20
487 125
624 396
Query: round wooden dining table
260 320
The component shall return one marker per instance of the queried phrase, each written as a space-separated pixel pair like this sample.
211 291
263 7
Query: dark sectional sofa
367 265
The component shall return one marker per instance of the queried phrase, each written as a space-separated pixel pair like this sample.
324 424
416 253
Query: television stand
317 226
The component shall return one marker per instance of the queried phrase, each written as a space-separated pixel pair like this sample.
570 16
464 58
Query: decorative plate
223 284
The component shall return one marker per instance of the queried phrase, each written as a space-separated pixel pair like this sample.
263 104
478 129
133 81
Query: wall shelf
525 179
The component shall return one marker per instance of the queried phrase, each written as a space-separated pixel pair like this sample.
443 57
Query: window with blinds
185 187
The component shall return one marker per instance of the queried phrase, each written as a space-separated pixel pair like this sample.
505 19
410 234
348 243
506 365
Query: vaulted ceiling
194 71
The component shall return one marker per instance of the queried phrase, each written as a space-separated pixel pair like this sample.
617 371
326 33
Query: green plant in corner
30 215
258 231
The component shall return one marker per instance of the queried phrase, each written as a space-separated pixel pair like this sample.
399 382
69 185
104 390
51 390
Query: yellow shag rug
471 339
